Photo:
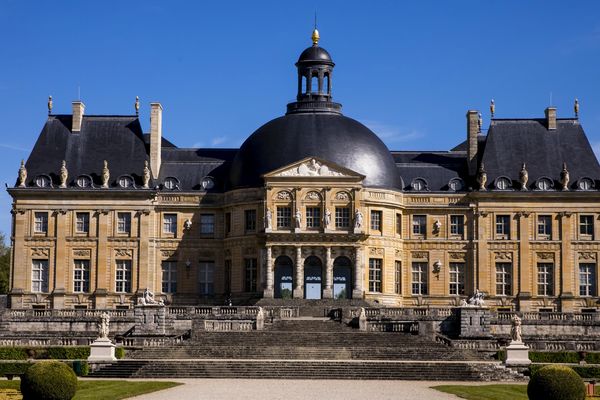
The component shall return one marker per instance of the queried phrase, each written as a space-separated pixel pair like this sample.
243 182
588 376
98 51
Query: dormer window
544 184
456 184
585 184
503 183
83 181
419 185
125 181
171 183
42 181
207 183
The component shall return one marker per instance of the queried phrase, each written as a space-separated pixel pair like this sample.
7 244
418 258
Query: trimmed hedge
14 368
43 353
49 380
551 357
583 371
556 382
120 352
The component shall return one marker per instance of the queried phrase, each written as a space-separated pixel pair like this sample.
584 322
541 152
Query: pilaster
269 291
358 291
328 291
299 283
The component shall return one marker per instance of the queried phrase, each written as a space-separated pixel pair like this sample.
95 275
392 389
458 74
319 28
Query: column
358 292
60 269
147 270
328 291
522 274
567 268
102 280
299 283
269 292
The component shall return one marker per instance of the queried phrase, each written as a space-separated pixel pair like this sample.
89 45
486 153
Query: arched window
314 84
326 84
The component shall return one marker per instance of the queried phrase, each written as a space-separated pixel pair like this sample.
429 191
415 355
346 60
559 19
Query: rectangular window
39 276
457 225
503 279
81 276
502 226
250 220
41 222
587 279
545 279
419 225
123 276
457 278
313 217
398 277
207 224
544 226
82 222
342 217
419 278
375 274
170 223
123 222
206 278
227 223
284 217
169 276
399 224
376 220
586 226
251 275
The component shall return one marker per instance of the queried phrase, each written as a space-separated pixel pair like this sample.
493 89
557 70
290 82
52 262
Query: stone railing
529 316
229 326
393 326
68 313
204 312
404 313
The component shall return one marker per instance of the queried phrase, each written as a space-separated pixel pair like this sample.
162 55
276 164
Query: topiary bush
556 382
49 380
120 352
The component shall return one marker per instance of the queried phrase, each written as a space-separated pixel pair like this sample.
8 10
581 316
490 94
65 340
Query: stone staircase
307 348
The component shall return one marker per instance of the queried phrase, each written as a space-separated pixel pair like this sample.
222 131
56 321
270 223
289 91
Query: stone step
281 369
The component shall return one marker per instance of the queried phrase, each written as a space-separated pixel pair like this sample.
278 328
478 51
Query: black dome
331 137
315 54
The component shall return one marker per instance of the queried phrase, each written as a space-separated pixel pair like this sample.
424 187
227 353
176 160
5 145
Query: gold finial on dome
315 37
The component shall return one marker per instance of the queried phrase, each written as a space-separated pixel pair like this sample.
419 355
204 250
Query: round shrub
556 382
49 380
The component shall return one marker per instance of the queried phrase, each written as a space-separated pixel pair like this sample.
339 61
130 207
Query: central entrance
313 277
284 277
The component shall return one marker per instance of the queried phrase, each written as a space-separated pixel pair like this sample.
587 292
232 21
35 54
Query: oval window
502 183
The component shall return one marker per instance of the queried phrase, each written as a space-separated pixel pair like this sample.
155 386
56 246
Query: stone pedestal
358 231
474 322
150 319
268 293
298 293
517 354
328 293
102 350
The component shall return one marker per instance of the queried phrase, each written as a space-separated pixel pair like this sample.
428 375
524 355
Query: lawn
97 390
489 392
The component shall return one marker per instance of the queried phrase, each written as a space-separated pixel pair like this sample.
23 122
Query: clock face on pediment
313 167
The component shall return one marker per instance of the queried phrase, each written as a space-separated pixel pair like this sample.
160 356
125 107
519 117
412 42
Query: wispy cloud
219 140
587 41
13 147
393 134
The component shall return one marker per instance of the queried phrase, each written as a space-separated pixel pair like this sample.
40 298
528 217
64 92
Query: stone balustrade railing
67 313
238 311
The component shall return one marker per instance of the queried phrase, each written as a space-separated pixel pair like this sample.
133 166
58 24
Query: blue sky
408 70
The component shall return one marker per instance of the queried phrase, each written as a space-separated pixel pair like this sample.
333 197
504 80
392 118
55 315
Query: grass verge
490 392
103 390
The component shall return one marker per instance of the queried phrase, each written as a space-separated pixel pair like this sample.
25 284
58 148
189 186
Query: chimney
472 133
551 118
155 138
78 109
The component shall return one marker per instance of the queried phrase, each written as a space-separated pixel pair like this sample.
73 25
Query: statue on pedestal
515 330
269 219
477 299
103 325
358 219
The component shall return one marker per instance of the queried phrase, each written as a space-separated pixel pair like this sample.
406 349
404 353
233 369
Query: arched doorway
284 277
313 277
342 278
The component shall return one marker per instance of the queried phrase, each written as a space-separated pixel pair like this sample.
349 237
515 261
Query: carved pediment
314 167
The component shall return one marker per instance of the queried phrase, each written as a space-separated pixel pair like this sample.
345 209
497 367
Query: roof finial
137 105
492 108
315 34
49 105
576 108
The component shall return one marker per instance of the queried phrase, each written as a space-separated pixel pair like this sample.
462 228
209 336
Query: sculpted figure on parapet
148 299
477 299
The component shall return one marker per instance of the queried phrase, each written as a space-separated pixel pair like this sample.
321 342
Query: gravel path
273 389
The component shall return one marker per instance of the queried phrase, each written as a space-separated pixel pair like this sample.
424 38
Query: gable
314 167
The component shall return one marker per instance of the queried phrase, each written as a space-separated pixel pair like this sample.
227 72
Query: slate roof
117 139
436 168
511 142
120 141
